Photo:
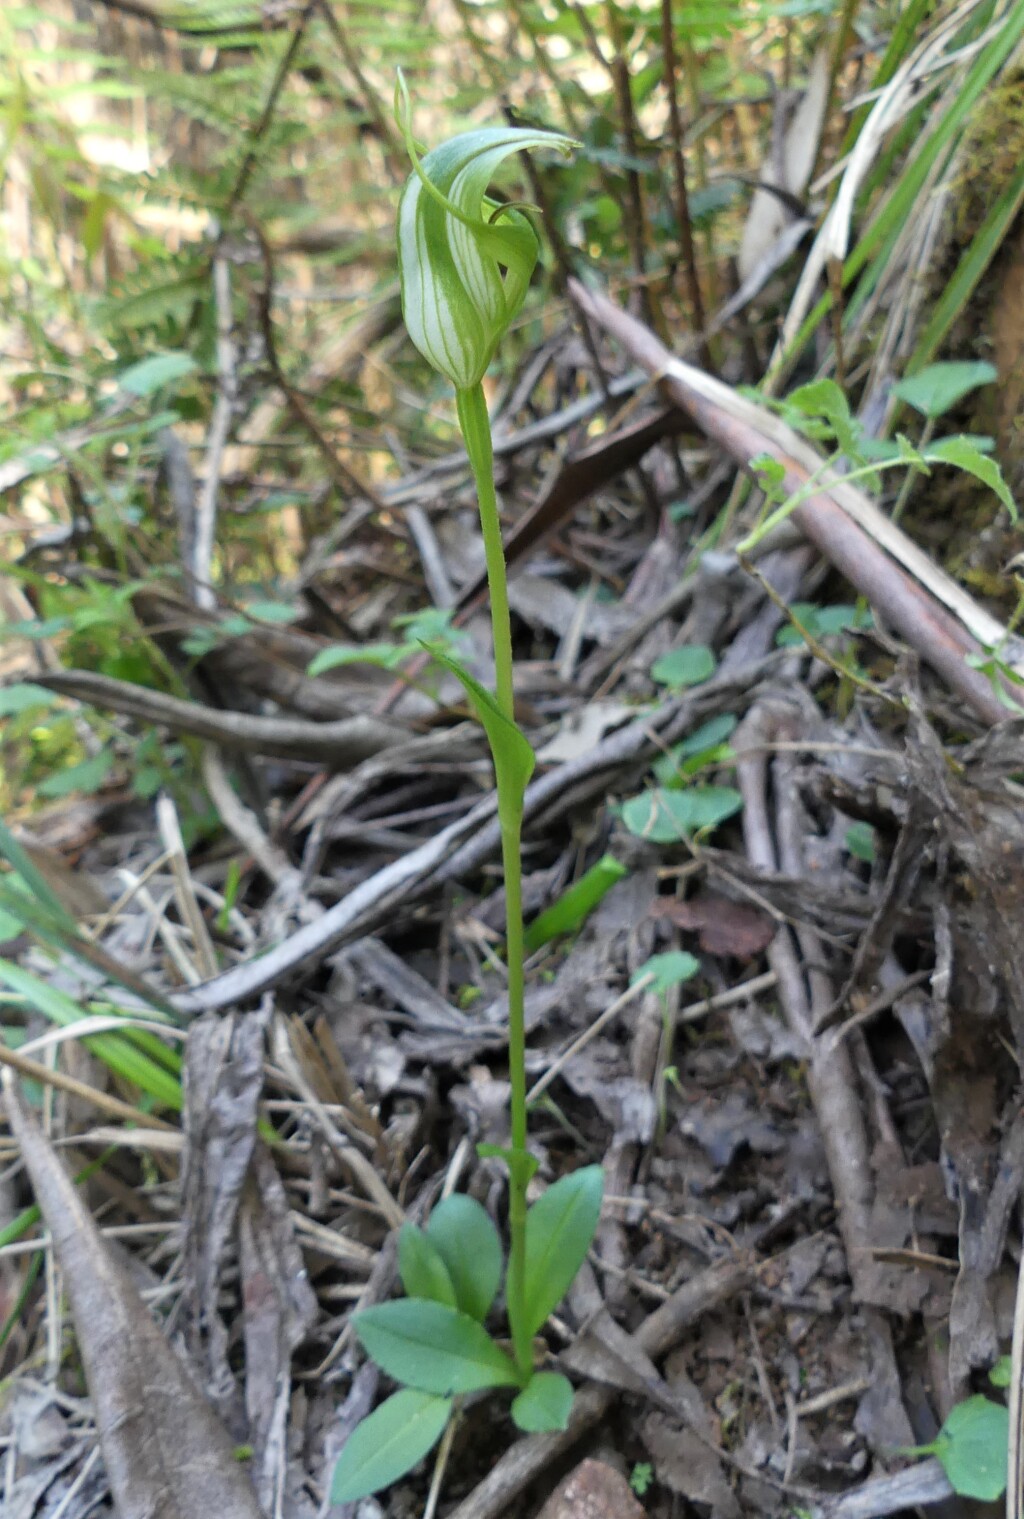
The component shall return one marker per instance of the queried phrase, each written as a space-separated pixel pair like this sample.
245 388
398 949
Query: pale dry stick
242 823
826 1400
170 937
162 1141
444 1451
694 1011
203 593
435 571
1015 1452
354 1160
76 1486
924 604
114 912
916 1487
99 1023
460 848
329 1242
339 742
191 914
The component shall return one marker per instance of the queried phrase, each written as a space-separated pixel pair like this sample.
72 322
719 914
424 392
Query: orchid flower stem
476 430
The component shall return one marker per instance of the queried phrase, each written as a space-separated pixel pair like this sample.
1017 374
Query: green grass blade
974 261
116 1050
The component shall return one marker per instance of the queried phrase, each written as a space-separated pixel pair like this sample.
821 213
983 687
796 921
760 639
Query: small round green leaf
423 1272
544 1404
669 817
23 696
389 1443
1001 1373
973 1445
154 373
939 387
433 1348
462 1233
686 666
559 1228
668 970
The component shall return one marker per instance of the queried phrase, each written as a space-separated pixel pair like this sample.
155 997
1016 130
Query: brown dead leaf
166 1453
223 1081
723 927
594 1490
279 1308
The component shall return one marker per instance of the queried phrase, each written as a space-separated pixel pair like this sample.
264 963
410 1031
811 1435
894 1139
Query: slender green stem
476 429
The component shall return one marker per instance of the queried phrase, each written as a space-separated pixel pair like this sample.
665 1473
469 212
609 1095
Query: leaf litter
813 1155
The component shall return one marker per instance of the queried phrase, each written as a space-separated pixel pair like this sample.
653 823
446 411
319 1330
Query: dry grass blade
167 1456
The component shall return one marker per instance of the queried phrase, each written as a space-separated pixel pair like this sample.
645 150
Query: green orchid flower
465 260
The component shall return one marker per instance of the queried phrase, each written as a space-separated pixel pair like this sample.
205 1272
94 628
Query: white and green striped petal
465 262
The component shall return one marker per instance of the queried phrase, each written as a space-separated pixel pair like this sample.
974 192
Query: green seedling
705 746
666 816
689 665
972 1446
641 1477
465 262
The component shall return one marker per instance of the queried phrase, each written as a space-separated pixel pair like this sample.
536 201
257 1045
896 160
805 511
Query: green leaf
668 970
31 627
423 1272
462 1233
21 862
154 373
669 817
972 1446
686 666
575 905
383 654
433 1348
88 776
522 1166
277 612
121 1052
23 697
641 1477
389 1443
706 745
966 456
513 758
544 1404
938 387
824 398
860 841
559 1229
1001 1373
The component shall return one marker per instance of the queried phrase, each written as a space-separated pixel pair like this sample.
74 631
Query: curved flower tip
465 261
